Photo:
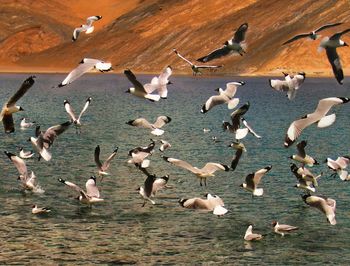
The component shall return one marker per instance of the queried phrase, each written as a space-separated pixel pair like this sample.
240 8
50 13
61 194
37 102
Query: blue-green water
119 230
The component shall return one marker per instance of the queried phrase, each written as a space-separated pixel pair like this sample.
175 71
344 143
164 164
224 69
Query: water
119 230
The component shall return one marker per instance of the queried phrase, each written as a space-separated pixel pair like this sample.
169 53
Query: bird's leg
200 182
205 182
144 203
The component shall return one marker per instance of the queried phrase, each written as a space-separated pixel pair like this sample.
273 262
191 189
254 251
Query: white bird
236 119
138 89
325 205
306 179
155 127
249 236
206 130
225 96
202 173
84 66
103 167
151 186
195 68
24 124
243 132
302 157
252 181
71 114
25 154
39 210
212 203
235 45
92 194
339 165
139 155
165 145
160 83
44 139
331 44
319 115
290 84
28 181
313 34
282 229
88 28
10 106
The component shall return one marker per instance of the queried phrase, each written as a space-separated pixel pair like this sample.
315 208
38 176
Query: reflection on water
119 230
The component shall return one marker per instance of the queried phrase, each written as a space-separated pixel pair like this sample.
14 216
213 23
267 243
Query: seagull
235 45
39 210
319 115
10 106
236 118
225 96
249 236
165 145
143 123
139 155
71 114
45 139
212 203
282 229
325 205
195 68
151 186
25 154
84 66
240 148
242 132
313 34
252 181
331 44
28 182
103 167
306 180
92 194
88 28
138 89
339 166
160 83
302 157
207 171
206 130
24 124
290 84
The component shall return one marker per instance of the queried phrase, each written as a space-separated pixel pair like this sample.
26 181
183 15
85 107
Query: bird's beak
345 44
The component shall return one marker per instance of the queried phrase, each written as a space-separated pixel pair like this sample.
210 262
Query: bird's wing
213 167
18 162
259 174
327 26
106 164
181 164
249 179
334 60
92 19
97 157
297 37
76 33
213 101
71 185
58 129
132 78
148 185
26 85
240 33
337 35
231 89
236 158
8 123
224 50
87 103
161 121
164 76
279 85
91 188
82 68
301 148
183 58
203 66
159 184
69 110
140 122
197 203
151 87
250 129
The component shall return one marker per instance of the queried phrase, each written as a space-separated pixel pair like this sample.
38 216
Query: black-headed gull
87 28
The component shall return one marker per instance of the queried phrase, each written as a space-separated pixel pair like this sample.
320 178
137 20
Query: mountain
140 35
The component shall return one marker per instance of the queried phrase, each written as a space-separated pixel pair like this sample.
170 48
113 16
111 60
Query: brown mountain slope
141 34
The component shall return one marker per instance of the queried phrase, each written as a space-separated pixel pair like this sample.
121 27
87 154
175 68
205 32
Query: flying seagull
212 203
84 66
235 45
225 96
236 118
302 157
319 115
243 132
155 127
103 167
92 194
306 180
24 124
202 173
313 34
165 145
339 165
324 204
139 155
252 181
10 106
331 44
74 119
290 84
138 89
195 68
25 154
240 148
160 83
88 28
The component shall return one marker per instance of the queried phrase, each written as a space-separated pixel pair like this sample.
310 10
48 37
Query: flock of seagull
157 90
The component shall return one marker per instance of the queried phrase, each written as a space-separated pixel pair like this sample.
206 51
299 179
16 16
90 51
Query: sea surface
120 230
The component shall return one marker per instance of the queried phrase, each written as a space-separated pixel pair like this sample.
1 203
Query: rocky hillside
140 34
